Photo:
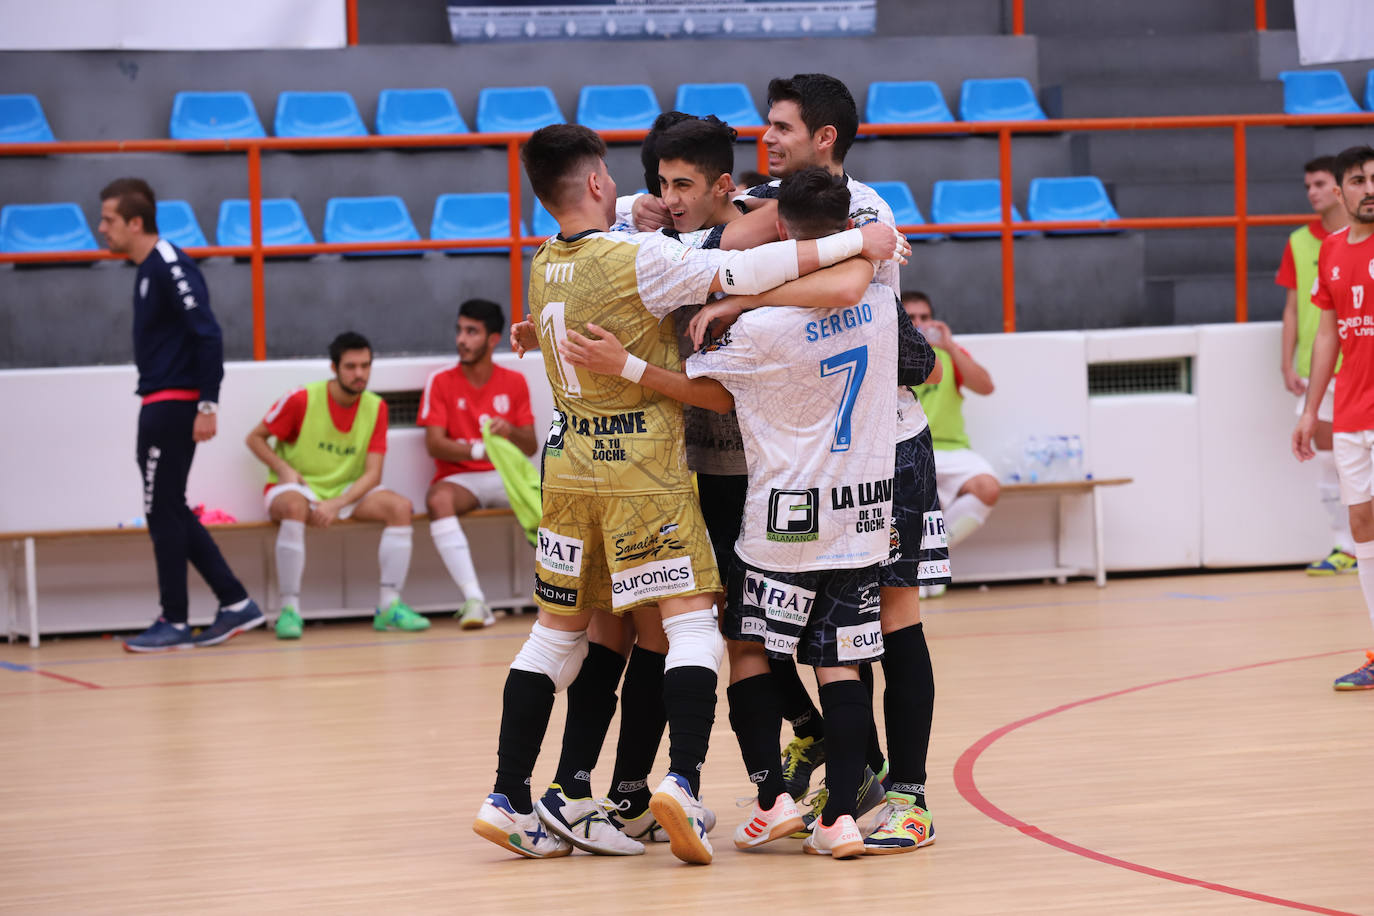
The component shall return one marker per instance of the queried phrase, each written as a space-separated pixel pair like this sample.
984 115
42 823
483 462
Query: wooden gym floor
1165 745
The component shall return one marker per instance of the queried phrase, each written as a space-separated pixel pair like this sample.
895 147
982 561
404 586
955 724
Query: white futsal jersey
815 391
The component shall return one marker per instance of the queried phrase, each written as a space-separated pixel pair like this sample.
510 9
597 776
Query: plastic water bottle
1030 460
1076 456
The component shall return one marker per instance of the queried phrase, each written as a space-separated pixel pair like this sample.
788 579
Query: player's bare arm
262 450
523 436
758 227
1324 351
442 448
604 354
842 284
1291 380
975 378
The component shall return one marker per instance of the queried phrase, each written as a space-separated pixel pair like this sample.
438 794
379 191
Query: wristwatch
209 408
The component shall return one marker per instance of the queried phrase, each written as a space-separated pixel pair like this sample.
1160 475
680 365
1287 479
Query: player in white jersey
817 518
614 475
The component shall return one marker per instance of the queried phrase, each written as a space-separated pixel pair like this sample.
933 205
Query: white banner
171 25
1334 30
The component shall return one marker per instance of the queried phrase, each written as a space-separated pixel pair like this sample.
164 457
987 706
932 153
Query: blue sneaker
1362 678
161 637
229 624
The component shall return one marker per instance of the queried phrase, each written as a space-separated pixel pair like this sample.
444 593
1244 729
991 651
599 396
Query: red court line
70 680
968 788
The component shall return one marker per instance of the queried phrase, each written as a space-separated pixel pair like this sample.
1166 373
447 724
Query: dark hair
749 178
1353 158
485 311
1321 164
348 340
135 198
648 150
916 295
823 100
707 144
554 154
813 202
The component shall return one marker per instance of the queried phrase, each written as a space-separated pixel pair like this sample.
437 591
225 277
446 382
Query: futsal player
1345 278
613 471
1298 274
179 353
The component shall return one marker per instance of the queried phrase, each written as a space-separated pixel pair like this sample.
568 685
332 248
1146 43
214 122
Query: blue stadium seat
22 120
473 216
517 109
318 114
1008 99
214 116
1307 92
176 222
369 219
1070 199
904 209
631 107
919 102
283 223
544 223
730 102
44 227
418 111
970 202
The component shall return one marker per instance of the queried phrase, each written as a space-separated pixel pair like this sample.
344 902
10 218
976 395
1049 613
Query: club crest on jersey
715 343
1336 272
501 403
863 216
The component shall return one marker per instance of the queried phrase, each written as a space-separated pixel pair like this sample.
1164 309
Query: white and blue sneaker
228 624
522 834
583 823
161 637
644 826
683 817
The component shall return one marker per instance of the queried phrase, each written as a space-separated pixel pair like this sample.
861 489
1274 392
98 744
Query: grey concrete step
1153 99
1200 251
1224 55
1207 198
1193 155
1094 18
1211 298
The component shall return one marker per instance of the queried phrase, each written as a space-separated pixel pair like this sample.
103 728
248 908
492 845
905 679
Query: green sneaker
289 624
474 615
799 759
400 616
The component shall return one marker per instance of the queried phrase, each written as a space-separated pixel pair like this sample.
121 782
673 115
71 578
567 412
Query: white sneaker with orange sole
841 840
782 820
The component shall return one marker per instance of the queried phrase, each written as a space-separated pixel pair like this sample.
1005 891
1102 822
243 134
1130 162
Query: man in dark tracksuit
179 354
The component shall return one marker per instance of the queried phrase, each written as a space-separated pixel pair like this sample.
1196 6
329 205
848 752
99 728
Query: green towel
520 477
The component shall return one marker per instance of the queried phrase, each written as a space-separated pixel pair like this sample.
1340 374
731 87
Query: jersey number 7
854 364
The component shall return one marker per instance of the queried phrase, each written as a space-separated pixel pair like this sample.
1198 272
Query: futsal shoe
583 823
522 834
782 820
161 637
683 818
1362 678
400 616
289 624
799 760
474 615
902 826
1333 564
870 796
644 827
841 840
229 624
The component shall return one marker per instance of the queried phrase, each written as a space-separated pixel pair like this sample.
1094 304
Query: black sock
847 717
525 708
642 720
908 701
689 695
874 755
757 724
793 700
591 706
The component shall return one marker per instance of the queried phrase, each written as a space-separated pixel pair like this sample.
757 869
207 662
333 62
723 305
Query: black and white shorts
827 618
920 548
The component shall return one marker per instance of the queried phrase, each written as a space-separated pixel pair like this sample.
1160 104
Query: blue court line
11 666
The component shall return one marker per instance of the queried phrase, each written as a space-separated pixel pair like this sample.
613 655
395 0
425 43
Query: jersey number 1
554 327
854 364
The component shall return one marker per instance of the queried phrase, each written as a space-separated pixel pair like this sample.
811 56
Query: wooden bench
1060 489
27 541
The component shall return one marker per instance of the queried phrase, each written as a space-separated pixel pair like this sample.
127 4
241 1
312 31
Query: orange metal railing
257 254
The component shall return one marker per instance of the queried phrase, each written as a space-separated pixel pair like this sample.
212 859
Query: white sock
236 607
964 516
393 558
1329 489
1364 552
453 549
290 562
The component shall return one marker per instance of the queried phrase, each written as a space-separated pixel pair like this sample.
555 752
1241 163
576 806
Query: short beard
475 358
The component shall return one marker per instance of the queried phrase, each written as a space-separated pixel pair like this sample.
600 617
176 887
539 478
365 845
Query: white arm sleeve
623 207
757 270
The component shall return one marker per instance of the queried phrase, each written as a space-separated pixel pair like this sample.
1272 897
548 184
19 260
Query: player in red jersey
455 403
1345 278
